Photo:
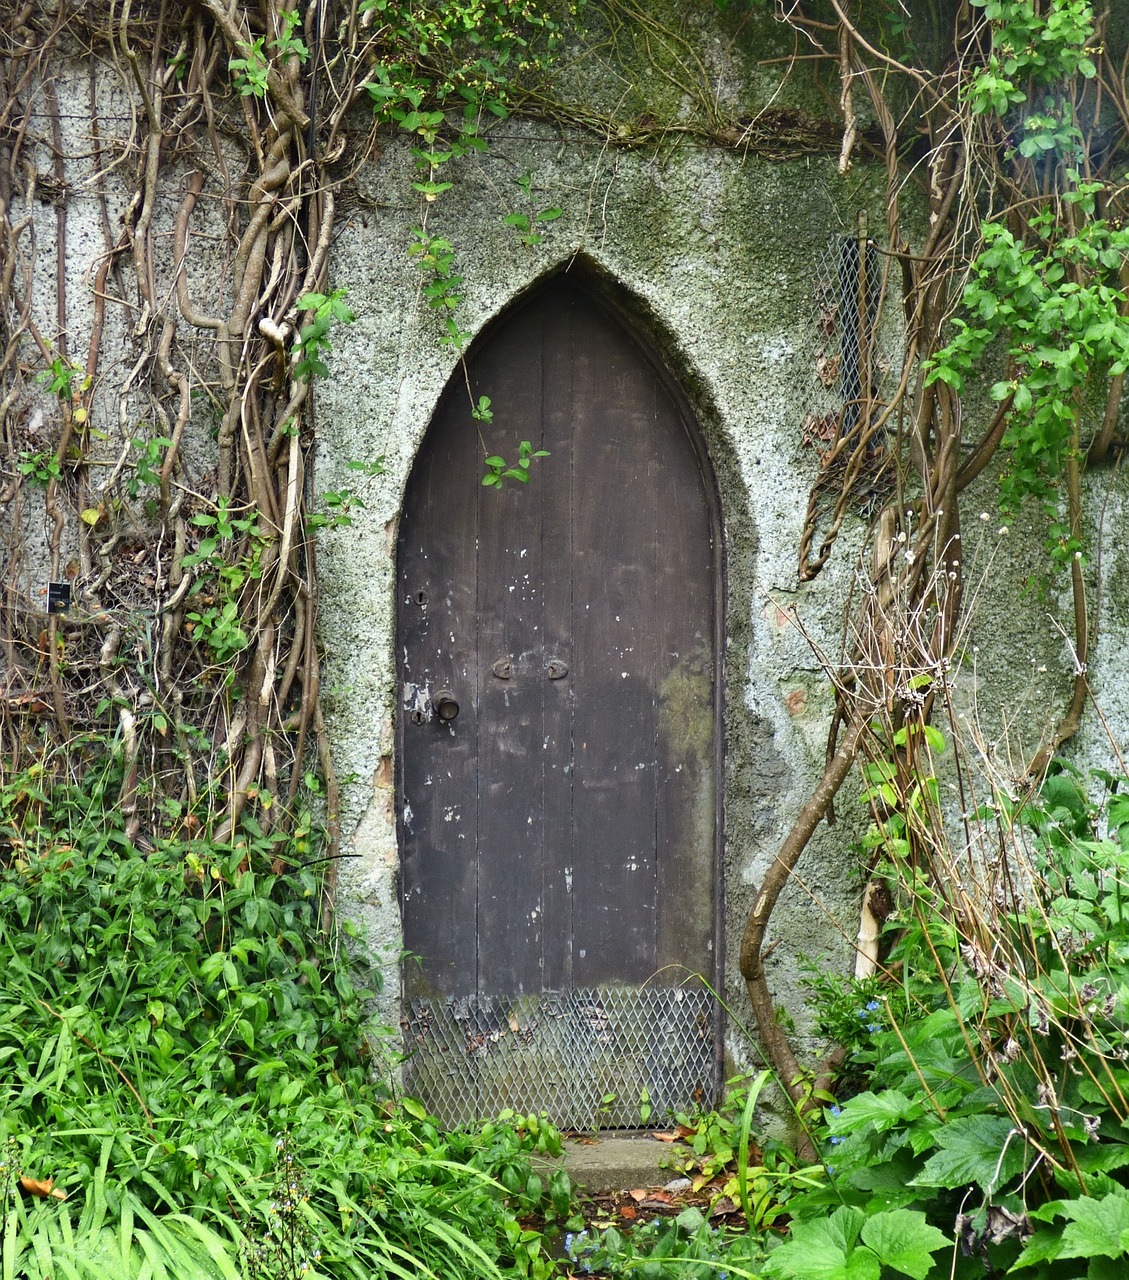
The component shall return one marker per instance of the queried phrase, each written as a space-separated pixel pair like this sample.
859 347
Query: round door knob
445 705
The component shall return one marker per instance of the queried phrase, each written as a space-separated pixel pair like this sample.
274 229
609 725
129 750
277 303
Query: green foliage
682 1248
758 1178
40 467
147 464
250 72
181 1043
996 1074
339 502
313 339
63 379
1059 303
1030 47
852 1245
498 469
526 224
470 52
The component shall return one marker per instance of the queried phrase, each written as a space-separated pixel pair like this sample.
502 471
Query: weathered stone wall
715 249
717 252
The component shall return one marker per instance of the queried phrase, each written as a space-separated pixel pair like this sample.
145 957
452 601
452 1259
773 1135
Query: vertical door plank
556 495
614 531
687 719
437 647
510 606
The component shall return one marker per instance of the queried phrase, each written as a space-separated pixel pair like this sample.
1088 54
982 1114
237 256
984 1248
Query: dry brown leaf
42 1188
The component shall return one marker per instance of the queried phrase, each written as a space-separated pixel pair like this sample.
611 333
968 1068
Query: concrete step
617 1162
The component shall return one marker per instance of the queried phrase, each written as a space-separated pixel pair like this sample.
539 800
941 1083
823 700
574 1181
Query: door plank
557 756
437 814
510 613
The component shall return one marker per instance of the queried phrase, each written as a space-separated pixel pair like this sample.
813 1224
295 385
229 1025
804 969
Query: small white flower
1003 531
985 517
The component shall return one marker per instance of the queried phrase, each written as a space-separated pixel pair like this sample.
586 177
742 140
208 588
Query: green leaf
825 1250
883 1110
980 1149
1044 1246
903 1240
1098 1227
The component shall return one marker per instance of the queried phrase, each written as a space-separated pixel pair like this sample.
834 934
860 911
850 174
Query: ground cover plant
185 1060
988 1122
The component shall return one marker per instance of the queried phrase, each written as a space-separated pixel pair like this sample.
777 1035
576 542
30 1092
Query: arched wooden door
559 835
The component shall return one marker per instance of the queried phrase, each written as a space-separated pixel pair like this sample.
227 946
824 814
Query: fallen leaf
638 1194
629 1212
722 1208
42 1188
666 1137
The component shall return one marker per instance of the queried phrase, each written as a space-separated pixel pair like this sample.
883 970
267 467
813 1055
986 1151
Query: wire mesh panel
586 1058
848 397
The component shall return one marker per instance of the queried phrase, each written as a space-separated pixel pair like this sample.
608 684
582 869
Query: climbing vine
1013 135
177 490
179 496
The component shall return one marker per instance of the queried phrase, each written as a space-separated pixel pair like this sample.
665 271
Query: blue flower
836 1138
872 1027
835 1110
872 1005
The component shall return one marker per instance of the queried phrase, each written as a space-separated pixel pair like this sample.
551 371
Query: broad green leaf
981 1149
1098 1227
825 1250
883 1110
903 1240
1044 1246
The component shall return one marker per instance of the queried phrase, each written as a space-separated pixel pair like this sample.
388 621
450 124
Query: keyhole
421 597
418 717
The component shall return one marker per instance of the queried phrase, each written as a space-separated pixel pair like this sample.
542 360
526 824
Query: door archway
559 732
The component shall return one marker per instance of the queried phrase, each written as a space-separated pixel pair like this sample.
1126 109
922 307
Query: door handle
445 706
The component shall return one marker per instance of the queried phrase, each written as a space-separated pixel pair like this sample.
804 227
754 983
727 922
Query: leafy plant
313 339
526 224
40 467
146 466
685 1247
251 71
497 469
995 1107
203 1087
63 379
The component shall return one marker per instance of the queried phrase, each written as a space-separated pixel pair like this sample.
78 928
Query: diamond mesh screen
587 1058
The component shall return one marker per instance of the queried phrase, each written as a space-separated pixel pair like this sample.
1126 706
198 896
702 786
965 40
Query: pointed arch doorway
559 733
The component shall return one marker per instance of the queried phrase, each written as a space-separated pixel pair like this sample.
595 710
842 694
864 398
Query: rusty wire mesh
593 1058
850 386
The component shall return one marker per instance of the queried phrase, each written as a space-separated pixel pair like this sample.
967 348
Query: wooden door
559 834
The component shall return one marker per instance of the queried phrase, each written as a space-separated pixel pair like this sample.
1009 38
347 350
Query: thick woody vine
190 644
1016 146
